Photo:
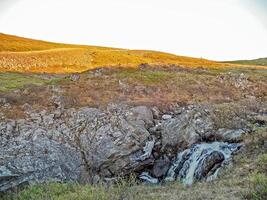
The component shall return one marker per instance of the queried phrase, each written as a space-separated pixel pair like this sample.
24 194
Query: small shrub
262 162
258 187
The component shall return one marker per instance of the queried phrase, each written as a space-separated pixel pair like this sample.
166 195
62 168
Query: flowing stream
200 162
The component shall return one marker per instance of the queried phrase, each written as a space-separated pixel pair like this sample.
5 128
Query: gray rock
147 150
229 135
37 160
112 146
156 113
166 117
143 113
210 163
74 77
3 101
193 126
237 80
186 129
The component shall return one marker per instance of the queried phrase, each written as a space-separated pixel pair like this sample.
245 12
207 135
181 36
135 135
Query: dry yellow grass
13 43
26 55
54 60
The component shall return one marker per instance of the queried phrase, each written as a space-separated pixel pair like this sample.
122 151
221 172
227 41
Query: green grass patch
71 191
258 187
131 191
12 81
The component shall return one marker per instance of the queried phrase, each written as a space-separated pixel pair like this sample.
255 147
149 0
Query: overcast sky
213 29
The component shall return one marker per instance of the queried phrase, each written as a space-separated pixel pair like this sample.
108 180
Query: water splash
200 162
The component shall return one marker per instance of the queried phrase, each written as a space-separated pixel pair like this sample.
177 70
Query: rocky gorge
89 145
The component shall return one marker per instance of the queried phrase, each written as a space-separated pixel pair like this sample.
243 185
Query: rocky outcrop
39 159
193 126
74 145
89 144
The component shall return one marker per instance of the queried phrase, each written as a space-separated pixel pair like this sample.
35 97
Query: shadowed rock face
161 167
87 144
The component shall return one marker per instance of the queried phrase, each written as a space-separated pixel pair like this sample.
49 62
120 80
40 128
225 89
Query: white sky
213 29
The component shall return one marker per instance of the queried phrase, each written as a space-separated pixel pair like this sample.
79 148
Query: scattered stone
237 80
26 107
156 113
3 101
6 106
166 117
123 86
75 77
58 101
143 66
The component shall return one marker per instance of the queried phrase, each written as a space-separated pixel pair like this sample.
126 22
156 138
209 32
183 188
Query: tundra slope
26 55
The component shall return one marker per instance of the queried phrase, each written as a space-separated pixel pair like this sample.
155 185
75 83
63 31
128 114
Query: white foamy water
200 162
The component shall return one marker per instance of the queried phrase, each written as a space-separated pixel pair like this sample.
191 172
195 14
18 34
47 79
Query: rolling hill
19 54
259 62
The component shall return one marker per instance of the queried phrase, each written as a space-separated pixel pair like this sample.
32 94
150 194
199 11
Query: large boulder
116 144
188 128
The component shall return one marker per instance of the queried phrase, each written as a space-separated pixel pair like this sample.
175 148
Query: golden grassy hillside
13 43
28 55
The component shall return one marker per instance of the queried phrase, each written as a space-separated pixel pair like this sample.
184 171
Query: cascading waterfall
200 162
